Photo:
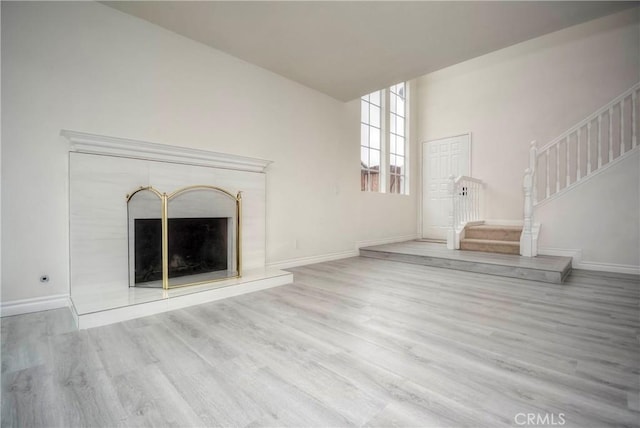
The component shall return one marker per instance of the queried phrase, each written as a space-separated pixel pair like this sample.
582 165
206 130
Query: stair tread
490 241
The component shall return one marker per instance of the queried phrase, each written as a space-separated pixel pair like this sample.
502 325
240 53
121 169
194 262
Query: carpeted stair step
490 246
494 233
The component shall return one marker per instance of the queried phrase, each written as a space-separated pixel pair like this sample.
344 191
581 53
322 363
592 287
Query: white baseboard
37 304
301 261
562 252
578 263
372 242
608 267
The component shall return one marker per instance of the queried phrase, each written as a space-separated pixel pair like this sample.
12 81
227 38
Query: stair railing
467 199
530 230
589 147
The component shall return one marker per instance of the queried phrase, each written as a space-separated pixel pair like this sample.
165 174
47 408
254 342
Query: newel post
451 231
526 239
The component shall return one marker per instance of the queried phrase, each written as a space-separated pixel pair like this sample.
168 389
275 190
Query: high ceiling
347 49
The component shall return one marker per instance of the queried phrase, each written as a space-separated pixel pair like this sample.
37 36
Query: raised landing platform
108 305
542 268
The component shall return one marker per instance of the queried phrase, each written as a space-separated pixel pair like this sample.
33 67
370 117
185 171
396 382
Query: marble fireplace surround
102 171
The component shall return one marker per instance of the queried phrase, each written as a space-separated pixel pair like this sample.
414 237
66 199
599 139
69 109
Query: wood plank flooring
354 342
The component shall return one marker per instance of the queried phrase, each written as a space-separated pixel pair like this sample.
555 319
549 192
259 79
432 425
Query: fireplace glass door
145 238
201 236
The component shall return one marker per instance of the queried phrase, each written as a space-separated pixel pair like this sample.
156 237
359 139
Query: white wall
533 91
86 67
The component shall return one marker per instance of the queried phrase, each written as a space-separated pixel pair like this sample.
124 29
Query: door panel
440 159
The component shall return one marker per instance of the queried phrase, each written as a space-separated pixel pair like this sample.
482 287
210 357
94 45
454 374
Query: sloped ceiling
347 49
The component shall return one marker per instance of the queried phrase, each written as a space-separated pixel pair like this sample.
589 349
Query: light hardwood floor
355 342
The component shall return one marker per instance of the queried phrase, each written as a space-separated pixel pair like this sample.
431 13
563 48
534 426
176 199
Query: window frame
367 170
387 180
397 96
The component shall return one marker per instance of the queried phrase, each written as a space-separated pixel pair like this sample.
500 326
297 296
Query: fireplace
188 237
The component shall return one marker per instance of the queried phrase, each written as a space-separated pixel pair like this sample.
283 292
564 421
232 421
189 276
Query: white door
440 159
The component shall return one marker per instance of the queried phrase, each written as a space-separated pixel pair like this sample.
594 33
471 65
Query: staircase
492 239
593 145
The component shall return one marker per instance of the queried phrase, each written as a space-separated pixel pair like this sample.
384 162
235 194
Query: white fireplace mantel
81 142
102 170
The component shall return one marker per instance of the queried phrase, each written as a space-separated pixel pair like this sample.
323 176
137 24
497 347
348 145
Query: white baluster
622 127
466 201
578 160
452 214
526 239
460 196
548 191
589 148
479 201
458 205
634 120
472 200
533 165
475 201
568 179
469 202
558 167
610 134
599 141
463 202
477 198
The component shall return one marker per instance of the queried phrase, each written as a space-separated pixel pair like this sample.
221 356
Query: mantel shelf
82 142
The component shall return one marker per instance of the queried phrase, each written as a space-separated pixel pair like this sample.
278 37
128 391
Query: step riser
490 248
520 272
494 235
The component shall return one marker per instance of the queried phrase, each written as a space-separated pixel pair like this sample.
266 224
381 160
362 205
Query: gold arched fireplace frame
164 200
